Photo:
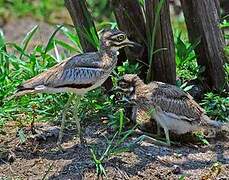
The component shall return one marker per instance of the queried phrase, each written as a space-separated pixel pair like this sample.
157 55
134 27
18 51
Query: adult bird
173 109
80 73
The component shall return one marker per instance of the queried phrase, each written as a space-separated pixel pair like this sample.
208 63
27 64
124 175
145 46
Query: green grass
115 145
216 106
21 64
151 30
45 10
49 10
186 63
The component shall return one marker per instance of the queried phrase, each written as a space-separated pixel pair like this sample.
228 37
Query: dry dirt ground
42 159
16 29
39 159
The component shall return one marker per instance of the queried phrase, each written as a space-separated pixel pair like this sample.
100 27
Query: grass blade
58 57
27 39
50 41
121 120
67 46
152 38
73 37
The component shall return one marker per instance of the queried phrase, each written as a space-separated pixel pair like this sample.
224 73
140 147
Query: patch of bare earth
15 31
42 159
38 159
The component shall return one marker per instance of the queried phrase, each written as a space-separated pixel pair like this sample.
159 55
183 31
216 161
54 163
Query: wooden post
202 19
130 19
82 21
164 64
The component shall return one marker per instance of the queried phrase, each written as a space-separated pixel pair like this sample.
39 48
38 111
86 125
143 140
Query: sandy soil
38 159
16 29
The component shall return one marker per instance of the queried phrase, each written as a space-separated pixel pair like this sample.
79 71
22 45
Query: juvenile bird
80 73
172 109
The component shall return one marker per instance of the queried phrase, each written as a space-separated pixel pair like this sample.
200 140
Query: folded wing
173 100
81 70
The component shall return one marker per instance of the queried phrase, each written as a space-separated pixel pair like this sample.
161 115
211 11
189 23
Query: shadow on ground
38 160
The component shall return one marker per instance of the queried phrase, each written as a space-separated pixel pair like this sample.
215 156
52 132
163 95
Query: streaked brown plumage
173 109
77 74
81 73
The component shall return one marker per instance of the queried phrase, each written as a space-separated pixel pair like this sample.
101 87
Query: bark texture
164 64
82 21
131 19
202 19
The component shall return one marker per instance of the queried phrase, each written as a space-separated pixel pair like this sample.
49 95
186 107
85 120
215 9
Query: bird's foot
60 137
82 139
154 138
60 148
140 132
155 141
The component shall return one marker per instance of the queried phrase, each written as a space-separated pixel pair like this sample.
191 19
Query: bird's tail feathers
21 93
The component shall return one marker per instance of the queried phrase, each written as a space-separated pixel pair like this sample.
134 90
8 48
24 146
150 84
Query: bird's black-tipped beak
132 43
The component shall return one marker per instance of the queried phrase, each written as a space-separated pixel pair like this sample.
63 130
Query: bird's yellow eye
121 37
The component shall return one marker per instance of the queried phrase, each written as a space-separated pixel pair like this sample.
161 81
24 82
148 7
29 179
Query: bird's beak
117 89
120 89
132 43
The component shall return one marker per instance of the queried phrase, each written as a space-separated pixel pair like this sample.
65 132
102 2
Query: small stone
176 170
177 155
11 157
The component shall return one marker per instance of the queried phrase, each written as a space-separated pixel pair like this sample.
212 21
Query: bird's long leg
158 129
158 117
76 117
148 137
66 107
161 119
167 136
154 141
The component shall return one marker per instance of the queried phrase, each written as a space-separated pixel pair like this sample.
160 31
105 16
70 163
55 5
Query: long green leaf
2 39
151 41
73 37
67 46
50 41
121 120
27 39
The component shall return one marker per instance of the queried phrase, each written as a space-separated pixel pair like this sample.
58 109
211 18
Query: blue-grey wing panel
76 76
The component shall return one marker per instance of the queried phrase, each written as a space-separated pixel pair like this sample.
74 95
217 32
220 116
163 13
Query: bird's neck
108 56
109 51
141 88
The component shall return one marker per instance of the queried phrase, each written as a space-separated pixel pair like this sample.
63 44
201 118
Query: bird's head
115 39
128 81
127 85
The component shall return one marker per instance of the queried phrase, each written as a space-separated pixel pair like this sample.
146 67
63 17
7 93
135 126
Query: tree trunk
130 19
202 21
225 6
164 64
83 22
217 4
